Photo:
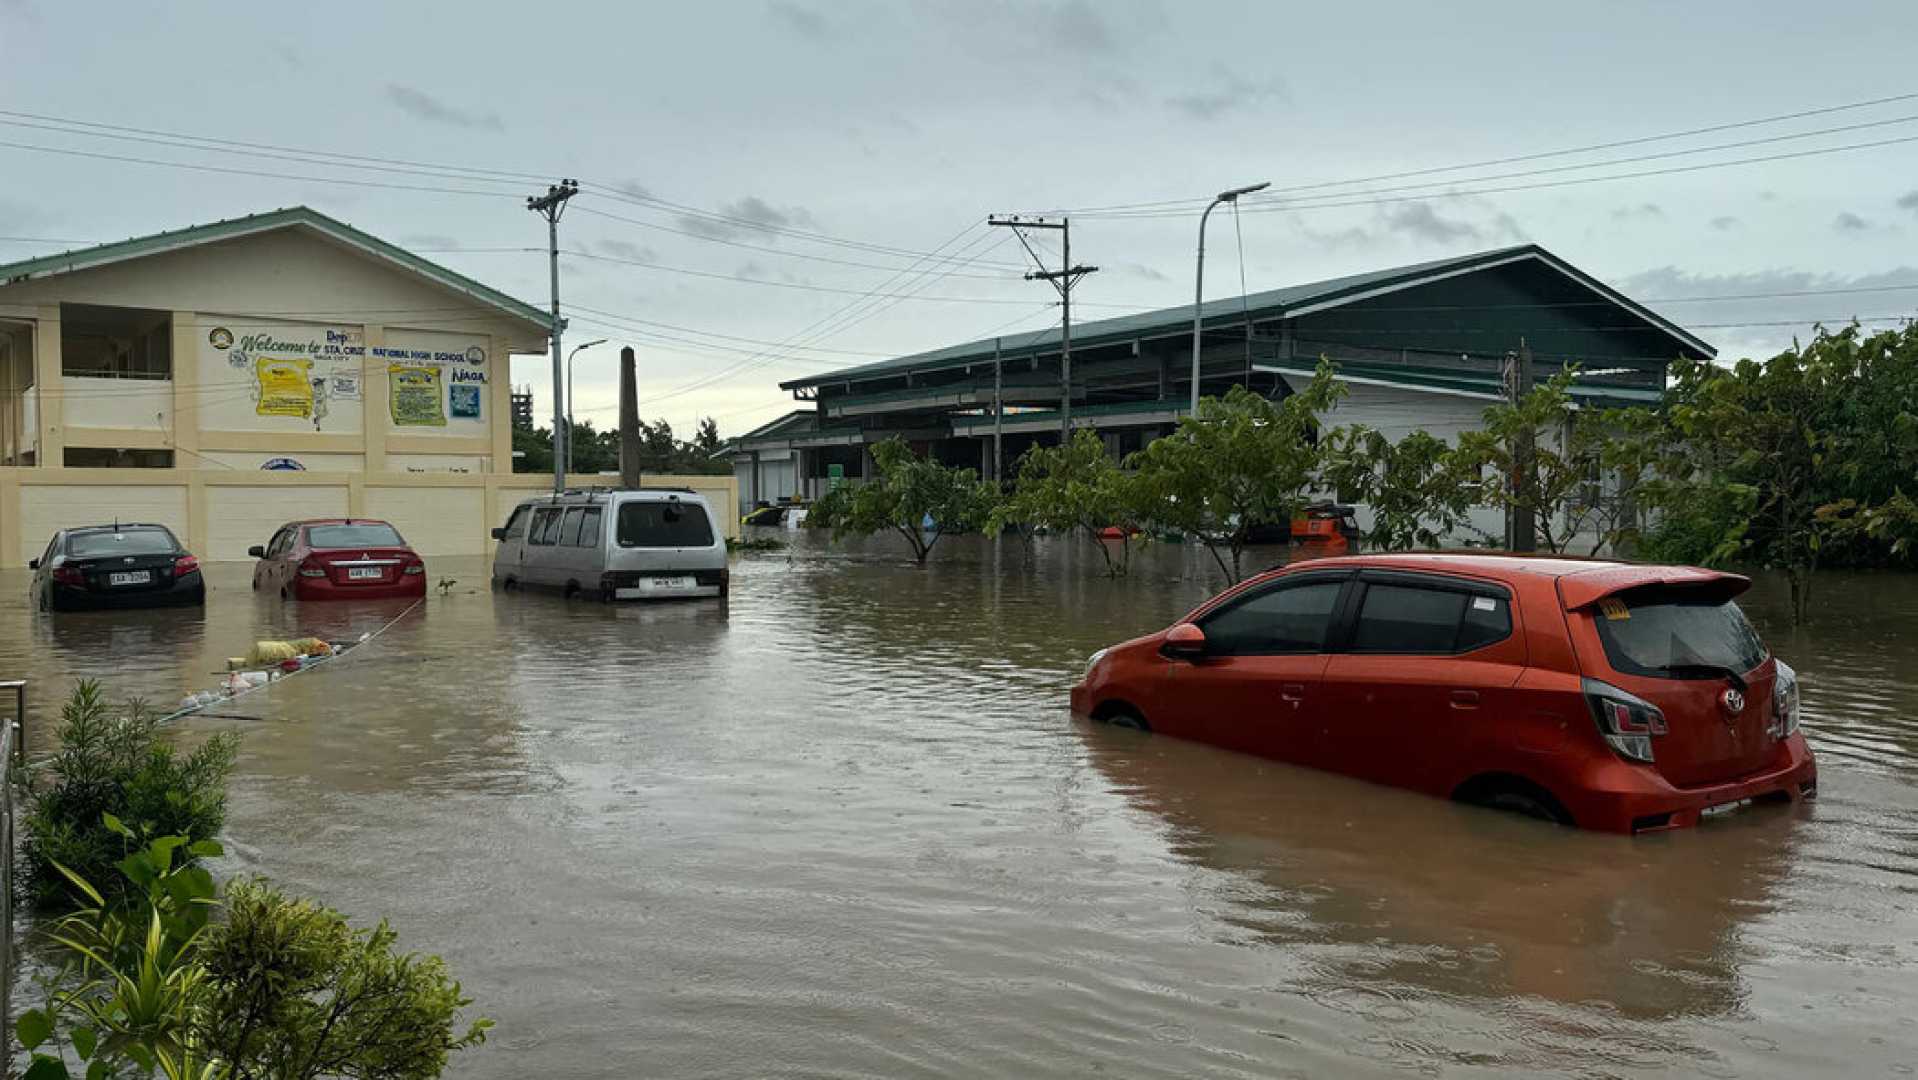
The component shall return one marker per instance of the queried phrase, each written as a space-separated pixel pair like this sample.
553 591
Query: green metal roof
1291 300
233 228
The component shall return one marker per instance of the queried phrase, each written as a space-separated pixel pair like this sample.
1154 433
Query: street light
569 398
1198 303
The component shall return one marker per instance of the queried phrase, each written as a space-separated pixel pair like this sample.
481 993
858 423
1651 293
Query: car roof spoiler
1587 587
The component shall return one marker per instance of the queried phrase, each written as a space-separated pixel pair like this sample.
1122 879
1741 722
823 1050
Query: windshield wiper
1706 670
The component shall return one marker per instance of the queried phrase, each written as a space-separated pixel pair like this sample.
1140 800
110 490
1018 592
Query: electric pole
1062 279
1521 533
550 206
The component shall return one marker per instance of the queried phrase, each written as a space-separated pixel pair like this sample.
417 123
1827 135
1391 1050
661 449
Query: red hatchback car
338 559
1601 694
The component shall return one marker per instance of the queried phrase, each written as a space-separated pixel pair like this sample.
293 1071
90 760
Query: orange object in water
1328 528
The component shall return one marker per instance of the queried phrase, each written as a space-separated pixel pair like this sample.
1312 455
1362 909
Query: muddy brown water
843 826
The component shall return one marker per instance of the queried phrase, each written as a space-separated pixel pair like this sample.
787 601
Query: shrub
112 762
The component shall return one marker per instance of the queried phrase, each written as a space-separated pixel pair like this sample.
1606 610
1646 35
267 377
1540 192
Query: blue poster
464 402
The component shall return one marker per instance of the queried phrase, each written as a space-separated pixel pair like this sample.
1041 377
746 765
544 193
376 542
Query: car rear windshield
663 524
360 535
92 545
1668 634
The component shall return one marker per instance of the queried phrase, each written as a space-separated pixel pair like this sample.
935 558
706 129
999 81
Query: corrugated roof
1292 299
290 217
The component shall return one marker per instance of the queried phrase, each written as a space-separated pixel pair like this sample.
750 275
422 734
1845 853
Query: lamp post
1198 303
569 397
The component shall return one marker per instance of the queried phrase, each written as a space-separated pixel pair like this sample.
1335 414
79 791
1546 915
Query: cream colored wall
138 404
219 513
250 461
290 278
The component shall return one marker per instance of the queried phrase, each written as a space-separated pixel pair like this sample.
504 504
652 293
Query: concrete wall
220 513
1396 412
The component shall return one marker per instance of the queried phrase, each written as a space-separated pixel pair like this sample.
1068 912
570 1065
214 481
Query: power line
226 170
770 250
774 284
1514 159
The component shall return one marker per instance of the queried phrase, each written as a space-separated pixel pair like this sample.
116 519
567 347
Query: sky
775 188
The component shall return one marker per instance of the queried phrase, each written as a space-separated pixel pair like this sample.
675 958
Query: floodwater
844 826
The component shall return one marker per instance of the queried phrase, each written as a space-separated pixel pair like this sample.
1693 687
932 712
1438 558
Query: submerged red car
338 559
1600 694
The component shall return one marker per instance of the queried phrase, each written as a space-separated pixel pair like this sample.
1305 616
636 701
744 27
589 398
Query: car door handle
1465 699
1292 691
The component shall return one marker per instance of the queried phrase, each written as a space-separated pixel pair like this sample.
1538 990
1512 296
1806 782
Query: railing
12 748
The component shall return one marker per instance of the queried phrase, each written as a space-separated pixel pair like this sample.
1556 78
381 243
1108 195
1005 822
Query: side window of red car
1428 620
1287 618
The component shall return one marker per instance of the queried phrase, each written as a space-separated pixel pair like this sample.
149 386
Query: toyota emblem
1734 701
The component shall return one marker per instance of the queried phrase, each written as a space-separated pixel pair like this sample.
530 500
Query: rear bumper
1635 799
187 590
409 586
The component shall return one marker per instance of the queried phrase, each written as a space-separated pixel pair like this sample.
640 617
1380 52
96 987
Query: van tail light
1627 721
1784 702
69 575
185 564
309 568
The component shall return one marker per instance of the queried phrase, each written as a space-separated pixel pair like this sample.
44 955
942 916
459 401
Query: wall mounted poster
463 401
285 387
416 395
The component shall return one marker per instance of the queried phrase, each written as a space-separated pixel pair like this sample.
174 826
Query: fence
11 750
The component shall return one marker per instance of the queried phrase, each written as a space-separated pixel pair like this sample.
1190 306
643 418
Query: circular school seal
476 356
221 338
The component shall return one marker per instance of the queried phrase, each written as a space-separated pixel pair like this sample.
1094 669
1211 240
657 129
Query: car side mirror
1184 642
33 564
499 532
257 551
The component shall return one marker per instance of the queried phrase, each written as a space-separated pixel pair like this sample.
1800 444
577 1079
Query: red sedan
338 559
1601 694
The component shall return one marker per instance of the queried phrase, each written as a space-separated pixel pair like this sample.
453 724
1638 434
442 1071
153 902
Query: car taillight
69 575
309 568
1627 721
185 564
1784 702
415 568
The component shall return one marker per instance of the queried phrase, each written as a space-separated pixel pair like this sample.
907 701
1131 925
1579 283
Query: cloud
1908 201
633 188
1725 223
1742 306
423 106
1850 222
750 215
1420 221
1647 210
1141 270
1078 26
800 19
1229 92
626 249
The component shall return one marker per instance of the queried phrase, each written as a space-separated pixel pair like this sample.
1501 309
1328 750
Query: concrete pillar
187 398
752 482
374 408
499 398
47 378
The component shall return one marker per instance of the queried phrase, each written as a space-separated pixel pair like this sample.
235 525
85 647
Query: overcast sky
884 130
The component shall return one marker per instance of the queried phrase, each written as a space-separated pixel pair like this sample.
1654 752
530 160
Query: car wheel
1525 805
1126 718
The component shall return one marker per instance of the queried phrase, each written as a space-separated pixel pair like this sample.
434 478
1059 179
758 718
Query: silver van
645 544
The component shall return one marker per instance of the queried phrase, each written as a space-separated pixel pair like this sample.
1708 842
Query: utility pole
1198 288
998 412
550 206
629 419
1521 533
1062 279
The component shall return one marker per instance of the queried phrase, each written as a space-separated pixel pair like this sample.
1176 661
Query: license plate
130 577
1723 809
364 573
668 583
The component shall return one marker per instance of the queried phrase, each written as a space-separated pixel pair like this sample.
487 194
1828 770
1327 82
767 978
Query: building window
115 343
101 457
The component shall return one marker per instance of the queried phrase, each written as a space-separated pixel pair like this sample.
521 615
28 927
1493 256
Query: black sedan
118 566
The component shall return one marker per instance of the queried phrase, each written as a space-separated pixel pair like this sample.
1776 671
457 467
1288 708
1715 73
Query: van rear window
1667 634
664 524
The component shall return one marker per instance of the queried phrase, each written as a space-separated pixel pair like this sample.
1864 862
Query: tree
706 442
1555 459
1075 487
916 497
1419 489
1242 461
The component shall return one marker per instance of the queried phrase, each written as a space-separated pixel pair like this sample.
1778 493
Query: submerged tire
1125 718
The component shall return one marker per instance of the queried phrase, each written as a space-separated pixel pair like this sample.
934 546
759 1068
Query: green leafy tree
1419 489
1243 460
918 498
1076 488
1579 471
